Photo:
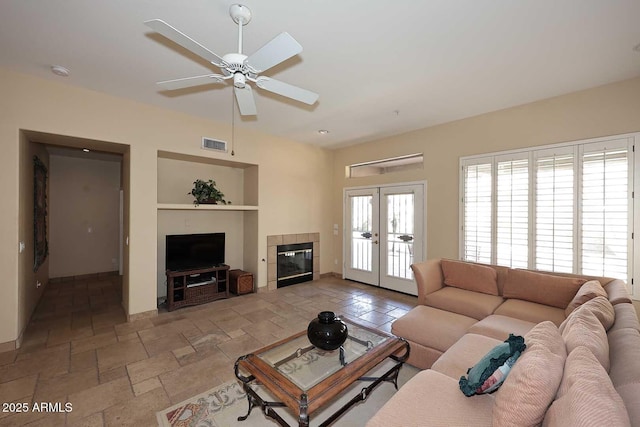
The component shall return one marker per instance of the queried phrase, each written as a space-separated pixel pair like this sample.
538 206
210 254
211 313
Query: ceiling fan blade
191 81
279 49
285 89
246 103
185 41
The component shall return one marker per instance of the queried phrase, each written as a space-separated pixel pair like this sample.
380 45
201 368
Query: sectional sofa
581 366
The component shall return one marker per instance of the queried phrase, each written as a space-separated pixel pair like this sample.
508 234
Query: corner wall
602 111
293 195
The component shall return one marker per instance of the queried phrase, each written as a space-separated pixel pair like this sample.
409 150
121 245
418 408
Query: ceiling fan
237 66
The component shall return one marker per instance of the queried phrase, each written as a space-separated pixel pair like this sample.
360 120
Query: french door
384 235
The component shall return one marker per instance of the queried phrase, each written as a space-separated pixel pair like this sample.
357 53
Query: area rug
222 405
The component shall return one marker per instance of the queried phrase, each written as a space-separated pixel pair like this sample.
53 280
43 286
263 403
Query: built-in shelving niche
178 215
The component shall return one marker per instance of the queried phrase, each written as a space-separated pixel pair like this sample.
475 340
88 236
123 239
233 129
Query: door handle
375 242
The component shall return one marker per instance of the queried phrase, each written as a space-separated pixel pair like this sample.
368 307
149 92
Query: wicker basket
240 282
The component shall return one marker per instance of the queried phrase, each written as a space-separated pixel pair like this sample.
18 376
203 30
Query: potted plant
206 192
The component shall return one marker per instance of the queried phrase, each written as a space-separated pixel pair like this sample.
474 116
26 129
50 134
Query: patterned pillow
490 372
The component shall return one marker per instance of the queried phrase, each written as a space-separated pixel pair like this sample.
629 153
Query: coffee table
304 378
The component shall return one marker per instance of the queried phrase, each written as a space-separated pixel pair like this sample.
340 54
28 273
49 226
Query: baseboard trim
141 316
331 274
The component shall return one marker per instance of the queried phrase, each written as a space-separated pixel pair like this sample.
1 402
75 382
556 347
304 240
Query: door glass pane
400 238
361 226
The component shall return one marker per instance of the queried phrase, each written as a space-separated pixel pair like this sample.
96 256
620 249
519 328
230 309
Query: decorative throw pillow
469 276
489 373
600 307
533 382
583 328
588 291
586 396
547 289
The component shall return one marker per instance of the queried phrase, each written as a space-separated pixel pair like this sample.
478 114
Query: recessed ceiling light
323 131
59 70
86 150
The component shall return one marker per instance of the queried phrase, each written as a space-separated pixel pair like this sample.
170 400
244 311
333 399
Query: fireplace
294 263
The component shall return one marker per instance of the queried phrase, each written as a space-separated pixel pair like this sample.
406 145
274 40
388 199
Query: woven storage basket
240 282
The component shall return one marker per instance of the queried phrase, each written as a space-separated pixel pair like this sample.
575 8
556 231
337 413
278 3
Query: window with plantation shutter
477 201
566 207
512 212
605 209
554 212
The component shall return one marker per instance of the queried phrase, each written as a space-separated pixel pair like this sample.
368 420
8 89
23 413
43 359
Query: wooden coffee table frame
302 403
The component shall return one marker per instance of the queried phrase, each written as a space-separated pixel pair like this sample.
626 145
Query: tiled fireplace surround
287 239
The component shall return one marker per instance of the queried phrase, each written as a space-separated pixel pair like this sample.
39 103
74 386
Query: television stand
197 286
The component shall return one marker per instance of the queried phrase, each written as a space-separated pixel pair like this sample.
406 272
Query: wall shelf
192 207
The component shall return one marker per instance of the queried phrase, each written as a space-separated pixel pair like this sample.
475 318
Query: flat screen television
193 251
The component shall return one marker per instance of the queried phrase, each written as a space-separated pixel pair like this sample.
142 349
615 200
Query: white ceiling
380 67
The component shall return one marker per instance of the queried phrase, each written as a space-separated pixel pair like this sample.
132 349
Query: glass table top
306 365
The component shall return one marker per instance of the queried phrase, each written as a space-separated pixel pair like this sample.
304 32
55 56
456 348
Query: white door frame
345 237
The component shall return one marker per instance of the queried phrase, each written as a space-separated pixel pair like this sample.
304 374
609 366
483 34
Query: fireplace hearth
294 263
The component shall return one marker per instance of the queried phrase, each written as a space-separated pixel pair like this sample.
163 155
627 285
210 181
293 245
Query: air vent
214 144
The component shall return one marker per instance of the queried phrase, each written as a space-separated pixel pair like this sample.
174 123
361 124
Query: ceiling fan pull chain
233 125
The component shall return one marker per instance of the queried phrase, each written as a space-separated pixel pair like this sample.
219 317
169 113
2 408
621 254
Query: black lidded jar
327 331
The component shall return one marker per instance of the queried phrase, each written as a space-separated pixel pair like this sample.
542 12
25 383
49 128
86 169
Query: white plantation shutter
477 207
512 212
554 212
605 209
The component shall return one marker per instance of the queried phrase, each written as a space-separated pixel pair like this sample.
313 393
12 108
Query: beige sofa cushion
626 317
630 394
588 291
617 291
432 327
461 301
624 354
586 396
432 398
530 311
464 354
469 276
584 329
542 288
499 327
525 395
600 307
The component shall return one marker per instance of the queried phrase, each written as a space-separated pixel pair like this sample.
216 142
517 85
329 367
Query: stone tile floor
78 348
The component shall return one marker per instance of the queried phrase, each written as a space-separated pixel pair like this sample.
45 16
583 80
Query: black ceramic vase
327 331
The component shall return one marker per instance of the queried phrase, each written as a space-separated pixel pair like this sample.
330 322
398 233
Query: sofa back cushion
584 329
533 381
586 396
542 288
600 307
588 291
469 276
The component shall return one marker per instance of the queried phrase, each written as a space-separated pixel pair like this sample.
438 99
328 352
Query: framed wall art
40 244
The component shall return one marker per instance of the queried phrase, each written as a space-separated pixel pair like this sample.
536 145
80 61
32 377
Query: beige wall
84 216
606 110
293 191
175 181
